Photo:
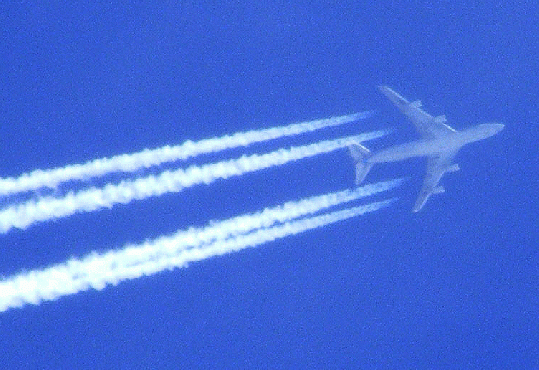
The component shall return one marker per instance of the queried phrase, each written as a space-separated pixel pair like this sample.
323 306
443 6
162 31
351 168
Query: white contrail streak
149 158
166 252
47 208
257 237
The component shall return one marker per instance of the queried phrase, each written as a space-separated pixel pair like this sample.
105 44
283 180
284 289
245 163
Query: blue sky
454 286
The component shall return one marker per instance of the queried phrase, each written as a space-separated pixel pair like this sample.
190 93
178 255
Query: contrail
149 158
167 252
257 237
47 208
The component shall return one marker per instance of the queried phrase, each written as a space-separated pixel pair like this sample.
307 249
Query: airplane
439 143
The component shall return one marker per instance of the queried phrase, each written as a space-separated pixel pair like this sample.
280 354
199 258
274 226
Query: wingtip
388 92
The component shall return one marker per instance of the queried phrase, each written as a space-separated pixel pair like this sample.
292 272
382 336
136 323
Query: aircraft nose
494 128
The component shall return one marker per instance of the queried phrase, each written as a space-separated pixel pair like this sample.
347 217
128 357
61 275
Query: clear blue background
454 286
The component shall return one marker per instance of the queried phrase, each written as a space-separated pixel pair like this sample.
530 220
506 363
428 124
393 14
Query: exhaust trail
148 158
23 215
167 252
257 237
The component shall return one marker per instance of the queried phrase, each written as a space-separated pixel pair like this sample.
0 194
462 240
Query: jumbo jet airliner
439 143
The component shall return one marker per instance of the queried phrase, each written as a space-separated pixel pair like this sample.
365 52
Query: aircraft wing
428 126
436 168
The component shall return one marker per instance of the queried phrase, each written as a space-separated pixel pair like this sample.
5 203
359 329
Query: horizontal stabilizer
360 154
362 169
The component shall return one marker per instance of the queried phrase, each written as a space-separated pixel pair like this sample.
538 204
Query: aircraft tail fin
359 153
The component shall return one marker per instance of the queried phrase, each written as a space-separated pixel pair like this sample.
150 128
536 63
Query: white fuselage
433 147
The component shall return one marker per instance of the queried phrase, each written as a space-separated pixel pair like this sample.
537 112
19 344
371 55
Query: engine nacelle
440 119
415 104
438 190
453 168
